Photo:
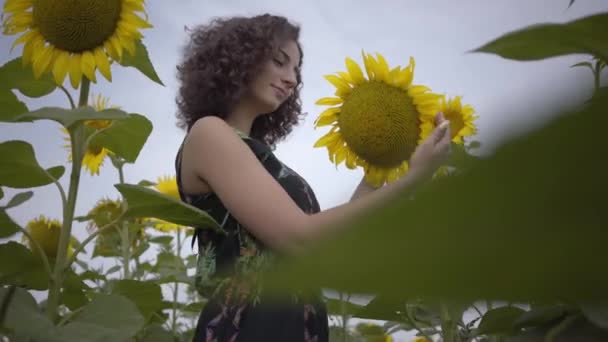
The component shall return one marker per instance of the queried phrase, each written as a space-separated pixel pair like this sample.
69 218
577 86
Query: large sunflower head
376 122
167 185
461 118
75 37
46 233
94 156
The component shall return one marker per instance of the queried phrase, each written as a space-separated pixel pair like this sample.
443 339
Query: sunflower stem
70 98
77 136
124 232
175 287
448 325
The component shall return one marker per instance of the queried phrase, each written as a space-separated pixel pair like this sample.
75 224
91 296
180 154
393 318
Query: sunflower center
456 122
76 25
380 123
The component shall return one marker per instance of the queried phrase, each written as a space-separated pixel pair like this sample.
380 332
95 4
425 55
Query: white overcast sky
437 33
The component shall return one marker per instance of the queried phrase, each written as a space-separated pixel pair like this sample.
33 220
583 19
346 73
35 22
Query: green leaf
18 266
10 106
13 75
19 199
105 318
541 316
596 312
146 295
24 171
25 318
163 239
141 61
145 182
68 117
583 64
125 138
382 309
113 269
499 321
73 293
585 36
144 202
156 333
8 227
170 268
535 204
1 193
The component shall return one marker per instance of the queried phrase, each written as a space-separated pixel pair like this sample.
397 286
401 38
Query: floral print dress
229 264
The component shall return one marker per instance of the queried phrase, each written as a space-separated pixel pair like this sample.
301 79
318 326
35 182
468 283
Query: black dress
238 309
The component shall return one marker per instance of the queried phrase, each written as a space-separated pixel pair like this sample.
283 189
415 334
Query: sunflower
75 37
94 155
376 122
167 185
461 118
46 233
164 226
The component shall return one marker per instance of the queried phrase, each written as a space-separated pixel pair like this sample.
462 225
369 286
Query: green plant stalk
77 138
448 325
124 231
596 76
175 286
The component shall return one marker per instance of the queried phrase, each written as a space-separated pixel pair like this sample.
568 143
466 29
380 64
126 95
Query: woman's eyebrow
285 55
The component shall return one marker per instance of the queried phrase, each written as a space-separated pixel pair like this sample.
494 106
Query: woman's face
277 78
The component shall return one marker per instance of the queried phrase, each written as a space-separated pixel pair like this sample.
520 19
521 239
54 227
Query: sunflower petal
101 60
134 19
75 70
16 5
327 139
355 71
339 83
61 67
382 69
340 155
369 62
42 60
87 65
346 76
329 101
351 160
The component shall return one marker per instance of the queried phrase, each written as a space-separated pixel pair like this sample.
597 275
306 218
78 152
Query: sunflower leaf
147 296
523 209
8 227
19 199
145 202
105 318
13 75
500 320
596 312
10 106
23 171
68 117
542 41
583 64
18 266
24 317
125 138
141 61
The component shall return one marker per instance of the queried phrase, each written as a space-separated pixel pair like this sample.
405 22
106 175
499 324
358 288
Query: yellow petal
417 90
355 71
87 65
382 69
393 75
17 5
134 19
339 83
42 60
369 63
61 67
351 160
327 139
393 175
326 120
345 76
329 101
101 60
340 155
24 38
75 70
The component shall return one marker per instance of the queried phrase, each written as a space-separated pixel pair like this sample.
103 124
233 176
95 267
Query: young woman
239 95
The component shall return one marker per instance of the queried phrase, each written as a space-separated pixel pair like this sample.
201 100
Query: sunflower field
519 254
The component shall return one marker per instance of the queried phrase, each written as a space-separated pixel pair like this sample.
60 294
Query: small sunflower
75 37
94 155
377 122
167 185
164 226
46 233
461 118
103 213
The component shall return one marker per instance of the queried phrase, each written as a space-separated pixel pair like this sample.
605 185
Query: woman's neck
242 117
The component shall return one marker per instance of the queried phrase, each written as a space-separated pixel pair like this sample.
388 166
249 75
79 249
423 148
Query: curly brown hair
221 59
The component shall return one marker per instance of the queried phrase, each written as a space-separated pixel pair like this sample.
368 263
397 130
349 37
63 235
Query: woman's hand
434 150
